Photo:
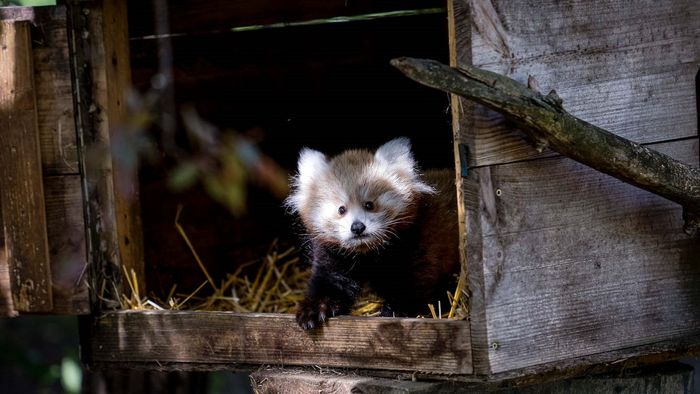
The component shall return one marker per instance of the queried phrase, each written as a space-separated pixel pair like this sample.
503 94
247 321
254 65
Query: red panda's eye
369 205
342 210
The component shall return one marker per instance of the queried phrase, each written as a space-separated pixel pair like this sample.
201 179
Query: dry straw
273 284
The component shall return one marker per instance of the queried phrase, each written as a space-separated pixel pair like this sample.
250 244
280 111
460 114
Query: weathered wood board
188 340
100 32
66 235
52 82
21 186
577 263
67 256
63 202
52 79
566 263
628 67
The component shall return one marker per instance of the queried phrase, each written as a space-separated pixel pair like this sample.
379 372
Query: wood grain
52 82
459 36
21 188
577 263
190 16
180 339
627 68
66 236
57 143
66 239
111 96
99 45
54 92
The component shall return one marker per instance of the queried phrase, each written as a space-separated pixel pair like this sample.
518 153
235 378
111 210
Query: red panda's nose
357 228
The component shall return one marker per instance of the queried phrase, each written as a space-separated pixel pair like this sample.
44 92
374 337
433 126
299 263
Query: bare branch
544 119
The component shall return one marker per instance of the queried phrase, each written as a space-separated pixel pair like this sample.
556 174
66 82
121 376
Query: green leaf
71 375
183 176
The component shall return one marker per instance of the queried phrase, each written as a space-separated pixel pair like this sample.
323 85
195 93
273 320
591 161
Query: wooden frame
212 340
544 293
540 302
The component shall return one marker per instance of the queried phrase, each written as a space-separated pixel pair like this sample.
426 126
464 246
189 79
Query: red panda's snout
359 229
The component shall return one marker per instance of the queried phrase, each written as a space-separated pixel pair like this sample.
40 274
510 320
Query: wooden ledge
175 340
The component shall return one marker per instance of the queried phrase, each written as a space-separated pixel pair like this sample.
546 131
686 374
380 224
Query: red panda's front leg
330 293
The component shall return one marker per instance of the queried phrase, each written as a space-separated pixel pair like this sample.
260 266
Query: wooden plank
628 68
110 95
194 340
98 32
52 81
577 263
54 92
191 16
66 239
57 140
459 36
66 236
21 188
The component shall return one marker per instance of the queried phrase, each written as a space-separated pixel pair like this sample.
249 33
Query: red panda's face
357 200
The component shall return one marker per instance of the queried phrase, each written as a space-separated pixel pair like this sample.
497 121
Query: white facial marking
311 166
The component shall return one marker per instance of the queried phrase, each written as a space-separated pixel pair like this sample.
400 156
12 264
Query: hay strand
274 283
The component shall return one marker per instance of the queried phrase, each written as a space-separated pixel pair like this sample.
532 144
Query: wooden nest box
568 269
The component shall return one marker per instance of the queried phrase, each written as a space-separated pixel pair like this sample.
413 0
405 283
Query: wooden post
117 68
21 186
100 51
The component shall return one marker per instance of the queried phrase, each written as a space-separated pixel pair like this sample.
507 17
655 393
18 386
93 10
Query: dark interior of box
328 86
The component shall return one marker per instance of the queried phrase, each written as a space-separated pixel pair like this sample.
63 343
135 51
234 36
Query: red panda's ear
311 164
397 152
398 157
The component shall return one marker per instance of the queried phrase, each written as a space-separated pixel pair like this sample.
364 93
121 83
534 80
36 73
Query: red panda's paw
312 313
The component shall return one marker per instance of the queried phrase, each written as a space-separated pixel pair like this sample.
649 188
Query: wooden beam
213 340
459 38
112 95
98 32
21 186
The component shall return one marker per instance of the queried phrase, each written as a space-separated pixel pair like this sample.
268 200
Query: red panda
372 218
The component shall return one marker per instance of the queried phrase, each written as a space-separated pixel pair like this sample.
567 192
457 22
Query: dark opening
326 86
